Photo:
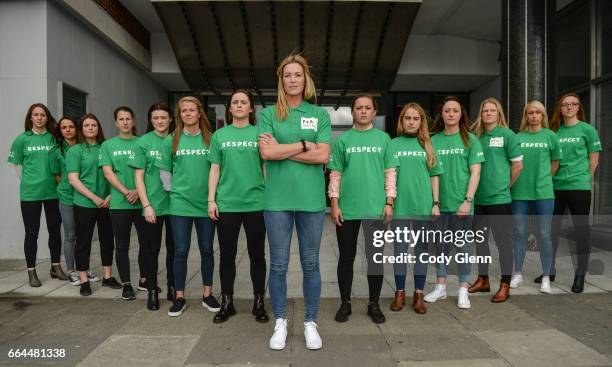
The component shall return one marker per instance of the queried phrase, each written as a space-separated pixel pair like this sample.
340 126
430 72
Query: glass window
74 102
604 176
605 16
573 46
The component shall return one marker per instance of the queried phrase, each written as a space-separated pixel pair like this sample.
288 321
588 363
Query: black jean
30 212
496 219
153 232
85 220
347 235
228 229
579 204
122 226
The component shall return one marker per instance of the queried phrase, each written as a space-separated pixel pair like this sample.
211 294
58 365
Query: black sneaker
343 312
85 289
178 307
142 286
211 303
375 313
128 292
112 283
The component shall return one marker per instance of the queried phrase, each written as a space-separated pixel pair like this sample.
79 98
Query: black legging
30 212
122 226
347 235
85 220
228 229
498 217
153 232
579 204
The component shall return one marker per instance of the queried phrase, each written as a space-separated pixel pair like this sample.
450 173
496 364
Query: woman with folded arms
155 200
417 201
235 198
534 190
91 199
493 203
184 170
461 155
581 146
295 138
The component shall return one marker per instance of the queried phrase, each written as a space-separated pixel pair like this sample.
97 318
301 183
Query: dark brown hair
364 95
464 121
51 123
228 114
557 117
81 138
59 138
128 110
160 106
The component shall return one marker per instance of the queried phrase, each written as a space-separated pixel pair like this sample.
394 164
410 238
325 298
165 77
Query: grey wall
41 45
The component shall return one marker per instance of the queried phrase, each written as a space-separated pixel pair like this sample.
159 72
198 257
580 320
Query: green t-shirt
57 166
535 181
31 151
577 142
147 152
414 196
115 153
292 185
241 185
83 159
190 169
499 146
456 160
362 157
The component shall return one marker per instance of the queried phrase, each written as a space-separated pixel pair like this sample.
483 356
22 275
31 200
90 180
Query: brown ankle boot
502 294
417 303
480 285
399 301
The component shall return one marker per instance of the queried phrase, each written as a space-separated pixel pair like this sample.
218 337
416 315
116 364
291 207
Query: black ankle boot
171 294
34 281
227 309
344 311
578 285
259 309
153 299
375 313
57 272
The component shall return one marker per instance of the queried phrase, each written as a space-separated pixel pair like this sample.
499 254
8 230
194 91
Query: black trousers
30 212
579 204
347 235
85 220
498 220
153 232
228 229
122 226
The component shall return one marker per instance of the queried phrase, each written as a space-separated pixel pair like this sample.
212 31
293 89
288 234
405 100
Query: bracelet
146 206
211 201
436 203
304 148
389 204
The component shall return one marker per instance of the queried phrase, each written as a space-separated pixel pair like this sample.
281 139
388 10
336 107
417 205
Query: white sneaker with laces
279 338
74 278
516 281
92 277
438 293
313 339
545 287
463 300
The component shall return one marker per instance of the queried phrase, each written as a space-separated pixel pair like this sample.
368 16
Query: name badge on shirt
309 123
497 142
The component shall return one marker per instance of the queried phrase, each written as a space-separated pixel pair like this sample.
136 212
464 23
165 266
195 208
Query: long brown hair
557 117
81 138
203 122
228 114
464 121
423 133
51 123
59 137
537 104
309 93
160 106
477 128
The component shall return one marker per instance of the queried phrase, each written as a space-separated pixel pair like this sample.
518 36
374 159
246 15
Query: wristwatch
304 147
436 203
469 199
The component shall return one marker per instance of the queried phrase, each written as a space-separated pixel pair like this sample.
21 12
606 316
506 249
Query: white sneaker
74 278
545 287
436 294
516 281
313 340
463 301
92 277
279 338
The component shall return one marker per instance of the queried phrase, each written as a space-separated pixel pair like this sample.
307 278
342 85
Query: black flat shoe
227 309
343 312
85 289
259 309
578 286
153 300
539 279
375 313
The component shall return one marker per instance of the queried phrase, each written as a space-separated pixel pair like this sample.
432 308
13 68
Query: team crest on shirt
309 123
497 142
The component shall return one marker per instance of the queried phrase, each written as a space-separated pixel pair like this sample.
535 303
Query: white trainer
438 293
516 281
545 287
313 340
463 301
279 338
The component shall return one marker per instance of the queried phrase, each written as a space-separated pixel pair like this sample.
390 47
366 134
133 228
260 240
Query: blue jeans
279 226
181 231
543 210
450 221
420 268
67 213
